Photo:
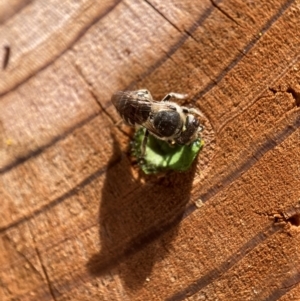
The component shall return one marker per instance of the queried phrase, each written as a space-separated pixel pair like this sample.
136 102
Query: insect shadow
137 221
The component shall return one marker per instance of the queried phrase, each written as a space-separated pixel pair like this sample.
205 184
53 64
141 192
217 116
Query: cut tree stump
78 219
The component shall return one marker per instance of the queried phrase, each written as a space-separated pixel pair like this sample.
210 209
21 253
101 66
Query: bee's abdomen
131 110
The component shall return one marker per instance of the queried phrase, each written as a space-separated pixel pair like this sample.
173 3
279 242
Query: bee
163 119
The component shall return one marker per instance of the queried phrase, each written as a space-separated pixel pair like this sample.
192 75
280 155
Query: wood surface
79 221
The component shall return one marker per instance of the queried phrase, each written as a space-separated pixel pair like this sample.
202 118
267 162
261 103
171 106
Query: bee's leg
174 95
144 143
191 111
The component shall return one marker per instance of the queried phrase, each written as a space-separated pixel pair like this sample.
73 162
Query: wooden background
78 221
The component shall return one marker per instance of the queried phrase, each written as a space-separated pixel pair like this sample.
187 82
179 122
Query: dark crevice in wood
292 215
295 94
273 90
71 44
6 56
294 91
225 266
294 220
186 33
38 254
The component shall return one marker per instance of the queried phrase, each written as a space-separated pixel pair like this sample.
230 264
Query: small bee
163 119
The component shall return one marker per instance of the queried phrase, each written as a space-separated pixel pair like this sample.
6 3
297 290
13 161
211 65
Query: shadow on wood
137 226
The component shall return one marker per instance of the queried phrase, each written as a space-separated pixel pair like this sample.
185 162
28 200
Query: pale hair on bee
166 120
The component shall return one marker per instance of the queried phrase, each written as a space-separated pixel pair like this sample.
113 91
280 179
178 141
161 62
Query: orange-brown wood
78 219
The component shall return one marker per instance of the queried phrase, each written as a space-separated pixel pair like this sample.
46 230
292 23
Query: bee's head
191 130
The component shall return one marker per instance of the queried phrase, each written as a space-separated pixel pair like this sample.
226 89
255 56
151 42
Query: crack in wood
289 215
20 253
186 33
224 12
294 90
98 102
162 15
94 96
295 93
47 278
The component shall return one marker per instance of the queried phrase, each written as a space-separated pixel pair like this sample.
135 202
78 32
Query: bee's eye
167 122
192 120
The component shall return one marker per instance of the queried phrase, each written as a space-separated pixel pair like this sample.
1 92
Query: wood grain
79 221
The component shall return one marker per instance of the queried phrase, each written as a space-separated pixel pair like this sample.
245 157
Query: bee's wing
136 107
137 111
133 108
139 95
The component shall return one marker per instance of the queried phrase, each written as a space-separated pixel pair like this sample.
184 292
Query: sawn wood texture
78 221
